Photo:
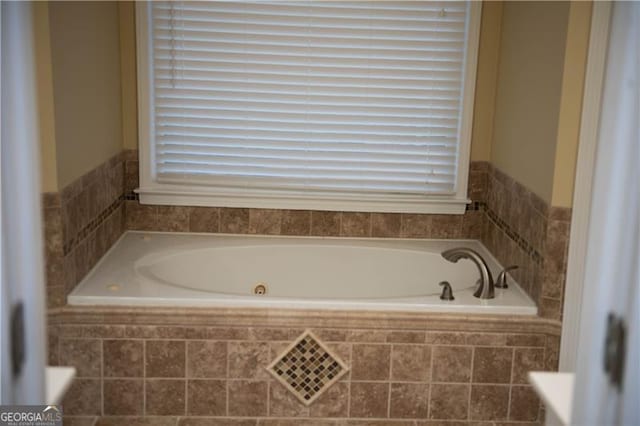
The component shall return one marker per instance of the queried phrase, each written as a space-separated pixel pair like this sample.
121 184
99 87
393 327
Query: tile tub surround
206 366
81 223
521 229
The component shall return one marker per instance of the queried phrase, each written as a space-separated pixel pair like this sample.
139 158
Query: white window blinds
352 97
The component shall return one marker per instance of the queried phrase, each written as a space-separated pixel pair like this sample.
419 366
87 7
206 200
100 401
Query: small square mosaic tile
307 368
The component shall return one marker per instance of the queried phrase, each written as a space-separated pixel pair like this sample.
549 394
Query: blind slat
389 153
325 99
326 96
317 139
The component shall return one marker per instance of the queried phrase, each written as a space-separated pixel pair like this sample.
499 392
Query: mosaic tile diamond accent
307 368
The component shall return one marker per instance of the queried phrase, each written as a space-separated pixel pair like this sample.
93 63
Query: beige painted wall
575 63
486 80
85 54
528 92
48 166
126 11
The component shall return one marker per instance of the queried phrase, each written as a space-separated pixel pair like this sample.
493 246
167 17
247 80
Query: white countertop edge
58 380
556 391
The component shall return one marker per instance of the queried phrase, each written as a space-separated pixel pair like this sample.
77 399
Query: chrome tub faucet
486 288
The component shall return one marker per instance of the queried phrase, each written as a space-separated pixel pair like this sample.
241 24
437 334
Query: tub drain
260 289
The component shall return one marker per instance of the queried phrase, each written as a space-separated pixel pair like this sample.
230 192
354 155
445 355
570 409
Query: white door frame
607 387
589 125
22 254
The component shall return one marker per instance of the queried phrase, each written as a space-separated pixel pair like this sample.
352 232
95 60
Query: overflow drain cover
260 289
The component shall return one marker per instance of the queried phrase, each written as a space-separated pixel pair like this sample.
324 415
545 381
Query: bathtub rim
531 309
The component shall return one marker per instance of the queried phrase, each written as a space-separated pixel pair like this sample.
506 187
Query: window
356 106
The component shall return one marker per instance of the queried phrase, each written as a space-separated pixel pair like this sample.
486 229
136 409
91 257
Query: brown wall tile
165 397
489 402
173 218
446 226
552 353
409 401
532 340
247 360
369 336
165 358
217 333
330 335
294 422
451 364
492 365
83 354
411 363
445 338
415 226
296 222
325 223
84 397
208 421
405 336
123 358
386 225
206 359
155 332
369 399
131 176
370 362
355 224
334 402
53 338
206 398
526 360
141 217
234 221
204 219
486 339
123 397
449 402
524 405
265 221
282 403
247 398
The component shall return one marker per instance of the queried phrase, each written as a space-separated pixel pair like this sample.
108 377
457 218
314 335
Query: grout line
186 377
102 375
144 378
349 381
473 361
513 363
226 383
430 381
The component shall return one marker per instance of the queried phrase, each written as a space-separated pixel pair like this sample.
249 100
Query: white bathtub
204 270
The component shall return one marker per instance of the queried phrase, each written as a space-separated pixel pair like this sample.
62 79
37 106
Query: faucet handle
447 292
501 282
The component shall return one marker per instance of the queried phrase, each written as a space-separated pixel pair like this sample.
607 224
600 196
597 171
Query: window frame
153 192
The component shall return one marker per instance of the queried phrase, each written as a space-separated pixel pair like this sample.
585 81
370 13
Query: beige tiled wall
521 229
191 366
80 224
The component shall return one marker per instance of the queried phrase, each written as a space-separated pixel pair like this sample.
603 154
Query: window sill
301 201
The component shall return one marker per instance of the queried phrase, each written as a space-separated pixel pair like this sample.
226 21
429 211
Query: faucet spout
486 288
